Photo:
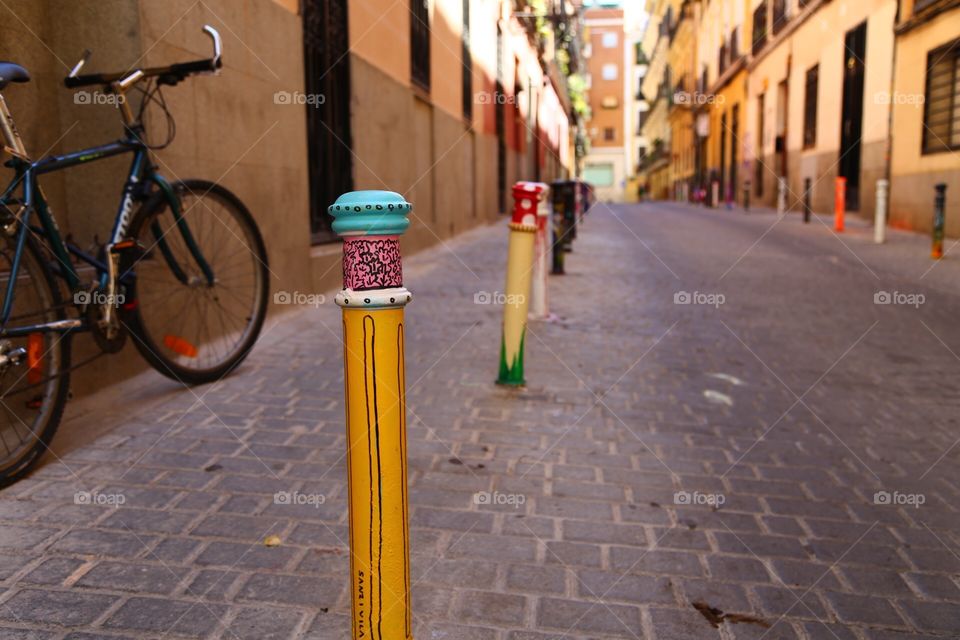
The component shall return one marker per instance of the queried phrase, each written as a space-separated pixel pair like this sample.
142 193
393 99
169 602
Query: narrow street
727 433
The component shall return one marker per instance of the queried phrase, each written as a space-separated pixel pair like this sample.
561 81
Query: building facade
606 164
805 92
817 74
720 102
681 60
925 140
657 89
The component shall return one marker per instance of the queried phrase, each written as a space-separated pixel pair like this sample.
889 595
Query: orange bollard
839 203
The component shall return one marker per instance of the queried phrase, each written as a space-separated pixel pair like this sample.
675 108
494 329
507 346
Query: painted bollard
372 299
557 245
939 220
523 228
563 196
807 195
880 218
839 203
541 249
781 196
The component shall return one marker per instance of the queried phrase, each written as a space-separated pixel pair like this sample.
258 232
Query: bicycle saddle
11 72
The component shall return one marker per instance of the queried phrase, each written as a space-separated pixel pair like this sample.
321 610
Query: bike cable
154 94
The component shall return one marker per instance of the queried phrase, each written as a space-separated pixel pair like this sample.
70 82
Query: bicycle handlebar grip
124 84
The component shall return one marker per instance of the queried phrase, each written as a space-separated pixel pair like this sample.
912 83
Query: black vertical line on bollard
807 188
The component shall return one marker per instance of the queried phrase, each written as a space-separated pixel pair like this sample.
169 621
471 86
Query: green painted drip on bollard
513 374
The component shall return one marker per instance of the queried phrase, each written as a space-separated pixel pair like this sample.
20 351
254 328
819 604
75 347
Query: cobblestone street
735 427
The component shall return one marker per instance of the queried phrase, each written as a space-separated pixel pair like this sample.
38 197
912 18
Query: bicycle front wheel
201 286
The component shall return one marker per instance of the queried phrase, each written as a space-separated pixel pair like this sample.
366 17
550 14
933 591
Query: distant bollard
715 194
556 244
372 299
839 203
523 228
541 249
807 196
566 196
746 195
572 215
880 217
939 220
781 196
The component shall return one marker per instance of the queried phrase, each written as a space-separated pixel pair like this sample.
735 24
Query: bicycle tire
55 381
154 347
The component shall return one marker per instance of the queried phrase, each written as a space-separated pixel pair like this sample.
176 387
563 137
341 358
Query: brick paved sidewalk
672 471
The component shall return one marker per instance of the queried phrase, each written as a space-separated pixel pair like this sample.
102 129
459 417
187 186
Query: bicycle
184 271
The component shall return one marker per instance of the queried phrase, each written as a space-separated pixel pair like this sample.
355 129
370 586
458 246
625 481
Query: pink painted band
372 262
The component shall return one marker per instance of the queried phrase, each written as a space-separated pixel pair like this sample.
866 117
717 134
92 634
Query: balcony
658 155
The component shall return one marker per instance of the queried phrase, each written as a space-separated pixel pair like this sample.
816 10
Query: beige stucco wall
913 174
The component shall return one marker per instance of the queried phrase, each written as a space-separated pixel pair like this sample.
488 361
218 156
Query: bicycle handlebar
170 74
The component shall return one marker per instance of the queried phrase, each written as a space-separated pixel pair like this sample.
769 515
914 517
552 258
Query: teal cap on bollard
370 213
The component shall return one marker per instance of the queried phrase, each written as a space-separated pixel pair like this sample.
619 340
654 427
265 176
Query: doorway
723 160
734 157
851 123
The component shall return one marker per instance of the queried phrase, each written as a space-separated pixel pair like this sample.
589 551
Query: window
941 113
609 134
781 14
610 71
610 40
467 67
760 27
810 108
420 43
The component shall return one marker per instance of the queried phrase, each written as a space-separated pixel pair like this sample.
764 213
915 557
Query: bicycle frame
141 177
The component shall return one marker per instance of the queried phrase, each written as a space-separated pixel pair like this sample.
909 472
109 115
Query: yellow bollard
372 299
523 227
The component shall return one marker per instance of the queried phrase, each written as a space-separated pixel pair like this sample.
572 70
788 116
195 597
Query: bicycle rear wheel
187 327
34 382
